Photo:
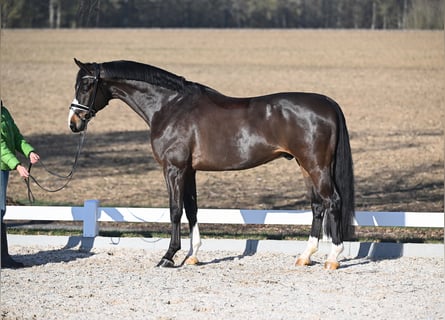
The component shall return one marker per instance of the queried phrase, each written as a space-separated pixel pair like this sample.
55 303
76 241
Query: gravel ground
124 284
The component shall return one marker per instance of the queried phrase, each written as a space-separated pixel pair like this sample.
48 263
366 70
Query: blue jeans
4 177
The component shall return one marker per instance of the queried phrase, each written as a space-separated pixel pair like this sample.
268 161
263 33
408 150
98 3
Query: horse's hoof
303 262
191 261
331 265
166 263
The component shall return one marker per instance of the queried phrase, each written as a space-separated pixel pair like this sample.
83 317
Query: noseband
75 105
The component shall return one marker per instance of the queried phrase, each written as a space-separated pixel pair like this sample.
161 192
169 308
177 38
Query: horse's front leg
191 210
195 244
174 178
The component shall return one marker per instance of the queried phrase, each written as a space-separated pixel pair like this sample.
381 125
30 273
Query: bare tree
85 11
55 13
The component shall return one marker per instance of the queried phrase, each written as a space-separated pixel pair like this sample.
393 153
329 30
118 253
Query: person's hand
34 157
22 171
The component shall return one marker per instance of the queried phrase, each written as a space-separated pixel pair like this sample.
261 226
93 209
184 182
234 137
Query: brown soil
389 84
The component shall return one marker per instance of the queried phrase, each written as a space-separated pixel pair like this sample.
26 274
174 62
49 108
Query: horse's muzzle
76 122
77 128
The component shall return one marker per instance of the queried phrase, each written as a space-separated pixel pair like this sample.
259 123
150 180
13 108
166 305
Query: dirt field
390 86
116 283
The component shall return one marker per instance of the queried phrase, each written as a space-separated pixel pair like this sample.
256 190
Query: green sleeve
12 141
8 159
22 145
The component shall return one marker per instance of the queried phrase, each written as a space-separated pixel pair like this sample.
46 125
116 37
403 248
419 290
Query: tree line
363 14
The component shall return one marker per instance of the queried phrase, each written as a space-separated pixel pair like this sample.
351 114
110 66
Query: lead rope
67 177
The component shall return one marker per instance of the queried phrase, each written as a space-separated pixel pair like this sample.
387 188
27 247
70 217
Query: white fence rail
91 213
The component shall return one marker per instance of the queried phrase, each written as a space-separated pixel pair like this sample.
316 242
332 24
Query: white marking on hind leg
195 244
332 259
335 252
311 248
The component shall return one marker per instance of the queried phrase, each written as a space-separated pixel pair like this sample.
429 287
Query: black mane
143 72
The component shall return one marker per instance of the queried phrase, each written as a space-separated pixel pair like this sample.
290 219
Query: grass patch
218 231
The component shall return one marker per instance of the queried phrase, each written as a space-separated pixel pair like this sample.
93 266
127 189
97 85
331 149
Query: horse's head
90 96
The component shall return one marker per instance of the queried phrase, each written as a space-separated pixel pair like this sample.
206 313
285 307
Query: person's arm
27 150
21 144
11 141
8 156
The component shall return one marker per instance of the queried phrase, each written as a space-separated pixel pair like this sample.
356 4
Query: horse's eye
85 84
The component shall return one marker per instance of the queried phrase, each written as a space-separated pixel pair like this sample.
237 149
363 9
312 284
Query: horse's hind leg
191 210
333 225
325 203
317 220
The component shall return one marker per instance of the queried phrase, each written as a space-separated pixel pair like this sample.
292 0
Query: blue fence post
91 215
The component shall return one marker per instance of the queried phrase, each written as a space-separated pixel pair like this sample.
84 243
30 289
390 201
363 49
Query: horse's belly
230 159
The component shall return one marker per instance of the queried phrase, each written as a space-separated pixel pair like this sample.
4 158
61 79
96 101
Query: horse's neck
145 99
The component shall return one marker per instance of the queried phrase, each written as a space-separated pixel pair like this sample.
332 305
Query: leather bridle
75 105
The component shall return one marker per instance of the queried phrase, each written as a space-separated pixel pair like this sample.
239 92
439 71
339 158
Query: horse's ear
79 64
82 65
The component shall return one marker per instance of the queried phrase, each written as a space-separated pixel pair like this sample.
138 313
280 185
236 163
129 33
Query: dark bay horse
194 127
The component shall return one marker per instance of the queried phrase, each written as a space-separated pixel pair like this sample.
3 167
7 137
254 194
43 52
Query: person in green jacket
12 141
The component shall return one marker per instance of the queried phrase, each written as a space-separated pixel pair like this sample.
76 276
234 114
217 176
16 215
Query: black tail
344 177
